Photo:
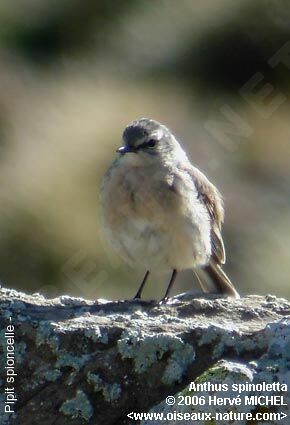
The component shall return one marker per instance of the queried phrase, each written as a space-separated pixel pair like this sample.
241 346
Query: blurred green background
74 73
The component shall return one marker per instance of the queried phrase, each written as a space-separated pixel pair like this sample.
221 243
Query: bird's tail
213 274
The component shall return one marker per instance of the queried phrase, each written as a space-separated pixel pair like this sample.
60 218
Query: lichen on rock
94 362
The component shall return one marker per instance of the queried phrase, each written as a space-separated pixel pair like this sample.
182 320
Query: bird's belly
151 226
142 245
178 247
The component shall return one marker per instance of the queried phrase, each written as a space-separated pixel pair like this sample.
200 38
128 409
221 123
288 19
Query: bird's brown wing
212 200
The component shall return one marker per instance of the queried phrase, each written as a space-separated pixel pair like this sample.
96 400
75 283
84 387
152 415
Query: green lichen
46 335
96 334
225 371
111 392
77 407
182 356
224 338
52 375
145 350
43 374
75 362
220 339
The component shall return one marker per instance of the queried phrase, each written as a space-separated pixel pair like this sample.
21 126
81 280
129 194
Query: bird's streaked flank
160 212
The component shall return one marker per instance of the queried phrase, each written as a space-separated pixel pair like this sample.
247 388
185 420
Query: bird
159 212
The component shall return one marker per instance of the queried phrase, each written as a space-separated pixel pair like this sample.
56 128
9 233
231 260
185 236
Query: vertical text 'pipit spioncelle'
160 212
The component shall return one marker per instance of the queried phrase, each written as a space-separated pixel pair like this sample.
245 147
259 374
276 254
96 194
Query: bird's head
147 142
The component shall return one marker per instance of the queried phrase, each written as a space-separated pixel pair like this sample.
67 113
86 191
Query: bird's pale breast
149 223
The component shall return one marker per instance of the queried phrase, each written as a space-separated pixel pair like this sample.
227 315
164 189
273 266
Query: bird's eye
151 143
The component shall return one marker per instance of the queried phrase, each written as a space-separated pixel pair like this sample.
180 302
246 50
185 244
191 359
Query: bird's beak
126 149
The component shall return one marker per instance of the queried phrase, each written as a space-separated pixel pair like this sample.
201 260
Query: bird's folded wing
212 199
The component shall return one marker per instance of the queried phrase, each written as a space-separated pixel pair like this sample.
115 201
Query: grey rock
88 362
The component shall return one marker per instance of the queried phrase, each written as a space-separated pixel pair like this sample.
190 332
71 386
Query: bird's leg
171 282
139 292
